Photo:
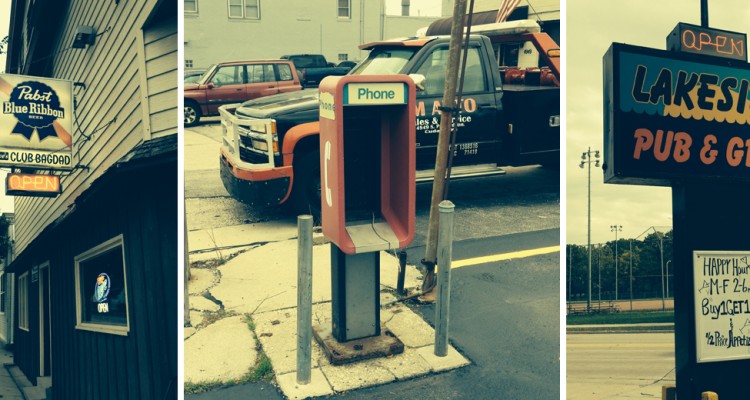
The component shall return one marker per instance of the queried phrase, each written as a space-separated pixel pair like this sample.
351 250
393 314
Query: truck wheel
305 195
192 113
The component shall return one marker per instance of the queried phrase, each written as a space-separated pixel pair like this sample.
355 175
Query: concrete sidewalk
8 387
261 283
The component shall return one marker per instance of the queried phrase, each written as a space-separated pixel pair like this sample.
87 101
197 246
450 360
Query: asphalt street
525 199
619 366
504 317
505 314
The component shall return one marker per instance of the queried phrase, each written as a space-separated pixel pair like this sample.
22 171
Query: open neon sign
712 42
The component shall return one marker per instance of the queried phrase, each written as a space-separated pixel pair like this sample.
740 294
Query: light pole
661 252
570 274
668 277
586 159
631 274
599 262
615 229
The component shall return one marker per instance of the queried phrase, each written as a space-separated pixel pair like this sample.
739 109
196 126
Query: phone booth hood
368 161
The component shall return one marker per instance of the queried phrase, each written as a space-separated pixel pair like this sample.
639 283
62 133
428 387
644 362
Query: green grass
634 317
262 372
200 387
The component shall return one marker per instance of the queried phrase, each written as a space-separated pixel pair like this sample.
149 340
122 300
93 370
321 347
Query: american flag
506 8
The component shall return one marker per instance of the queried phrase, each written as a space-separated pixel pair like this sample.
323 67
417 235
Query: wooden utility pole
441 161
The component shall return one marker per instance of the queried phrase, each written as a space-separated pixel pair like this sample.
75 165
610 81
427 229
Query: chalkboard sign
721 283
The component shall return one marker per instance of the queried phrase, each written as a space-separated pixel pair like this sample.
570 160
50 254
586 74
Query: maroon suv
235 82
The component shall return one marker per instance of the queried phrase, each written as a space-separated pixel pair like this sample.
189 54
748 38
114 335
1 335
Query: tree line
652 269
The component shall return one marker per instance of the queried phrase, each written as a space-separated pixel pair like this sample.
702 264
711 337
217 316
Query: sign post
682 119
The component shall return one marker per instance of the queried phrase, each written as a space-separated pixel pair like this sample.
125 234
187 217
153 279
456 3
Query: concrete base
384 345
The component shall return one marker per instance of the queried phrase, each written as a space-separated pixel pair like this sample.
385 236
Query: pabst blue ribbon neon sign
37 107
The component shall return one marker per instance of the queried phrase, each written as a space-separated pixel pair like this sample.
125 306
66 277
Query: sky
592 26
6 202
4 21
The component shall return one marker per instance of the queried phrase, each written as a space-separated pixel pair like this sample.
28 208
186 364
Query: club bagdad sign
674 117
36 121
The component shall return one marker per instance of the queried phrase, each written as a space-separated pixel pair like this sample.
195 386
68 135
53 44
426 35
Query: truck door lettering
420 109
435 106
468 105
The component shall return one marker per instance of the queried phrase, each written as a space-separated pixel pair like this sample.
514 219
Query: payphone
367 164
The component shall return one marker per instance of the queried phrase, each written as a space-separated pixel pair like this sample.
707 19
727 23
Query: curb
622 328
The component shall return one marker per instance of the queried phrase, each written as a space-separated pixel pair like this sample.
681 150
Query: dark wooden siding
92 365
26 346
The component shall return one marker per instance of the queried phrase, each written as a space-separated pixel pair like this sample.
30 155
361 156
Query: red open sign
32 185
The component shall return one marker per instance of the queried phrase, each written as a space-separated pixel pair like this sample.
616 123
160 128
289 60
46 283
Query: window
508 54
191 6
345 9
385 62
285 72
101 289
343 57
260 73
228 75
247 9
3 289
23 301
188 63
433 70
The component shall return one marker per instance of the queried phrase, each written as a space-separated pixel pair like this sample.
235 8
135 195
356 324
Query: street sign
674 117
722 305
36 122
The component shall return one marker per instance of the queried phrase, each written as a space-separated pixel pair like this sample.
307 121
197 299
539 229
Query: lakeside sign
682 119
36 122
722 305
674 117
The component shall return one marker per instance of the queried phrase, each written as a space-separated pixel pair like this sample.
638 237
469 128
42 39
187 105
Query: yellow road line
505 256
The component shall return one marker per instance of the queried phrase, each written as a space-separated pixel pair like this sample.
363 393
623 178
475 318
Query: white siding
289 27
160 44
109 110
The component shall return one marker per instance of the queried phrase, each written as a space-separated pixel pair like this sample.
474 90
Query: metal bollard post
401 272
304 298
445 250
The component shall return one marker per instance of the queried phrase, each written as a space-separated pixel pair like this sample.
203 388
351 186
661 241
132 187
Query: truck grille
252 157
248 141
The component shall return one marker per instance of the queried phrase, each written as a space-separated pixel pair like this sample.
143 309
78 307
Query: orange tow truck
510 115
